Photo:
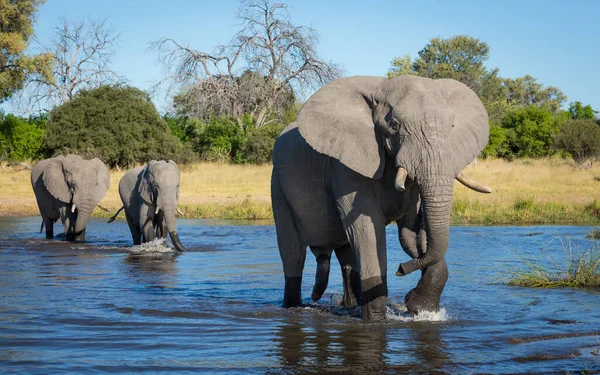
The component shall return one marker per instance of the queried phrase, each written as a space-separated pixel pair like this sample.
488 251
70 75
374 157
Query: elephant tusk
179 212
73 207
472 184
103 208
400 179
157 209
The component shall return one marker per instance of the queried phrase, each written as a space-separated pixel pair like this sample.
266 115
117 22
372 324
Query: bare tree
82 52
268 61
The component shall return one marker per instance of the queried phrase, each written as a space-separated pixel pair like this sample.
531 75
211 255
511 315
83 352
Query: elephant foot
373 298
351 282
426 295
321 277
292 293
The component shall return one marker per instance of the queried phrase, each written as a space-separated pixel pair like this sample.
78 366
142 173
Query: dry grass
538 191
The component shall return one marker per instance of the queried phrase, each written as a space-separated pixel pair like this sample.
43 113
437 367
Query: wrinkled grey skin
150 194
66 183
333 183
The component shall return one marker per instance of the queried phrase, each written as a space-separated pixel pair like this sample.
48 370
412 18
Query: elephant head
79 185
430 130
159 188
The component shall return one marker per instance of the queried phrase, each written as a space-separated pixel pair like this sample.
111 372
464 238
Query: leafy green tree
532 130
579 111
258 147
498 145
21 139
217 140
117 124
580 138
16 18
460 57
525 91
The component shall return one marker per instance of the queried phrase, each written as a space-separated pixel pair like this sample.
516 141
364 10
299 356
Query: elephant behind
363 152
69 187
150 195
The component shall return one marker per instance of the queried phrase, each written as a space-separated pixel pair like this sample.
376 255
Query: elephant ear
103 179
471 130
54 180
146 182
338 121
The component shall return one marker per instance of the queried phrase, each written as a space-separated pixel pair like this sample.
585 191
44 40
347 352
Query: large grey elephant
150 194
69 187
363 152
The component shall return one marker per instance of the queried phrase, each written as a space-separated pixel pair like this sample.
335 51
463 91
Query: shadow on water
107 306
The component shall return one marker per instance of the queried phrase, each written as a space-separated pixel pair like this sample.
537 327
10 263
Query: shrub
118 124
21 139
258 147
580 138
218 140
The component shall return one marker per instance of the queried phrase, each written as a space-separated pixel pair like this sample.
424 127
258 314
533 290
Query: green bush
218 140
118 124
580 138
533 130
21 139
258 147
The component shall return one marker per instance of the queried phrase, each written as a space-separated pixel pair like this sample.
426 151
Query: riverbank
525 192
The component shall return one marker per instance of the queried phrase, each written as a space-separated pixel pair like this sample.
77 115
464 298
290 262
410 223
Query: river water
104 306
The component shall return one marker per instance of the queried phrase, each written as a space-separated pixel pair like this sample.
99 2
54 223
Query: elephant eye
394 125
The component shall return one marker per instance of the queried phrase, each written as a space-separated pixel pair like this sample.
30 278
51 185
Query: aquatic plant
594 234
578 268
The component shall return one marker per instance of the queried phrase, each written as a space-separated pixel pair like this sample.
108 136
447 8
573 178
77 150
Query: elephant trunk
83 213
169 215
436 203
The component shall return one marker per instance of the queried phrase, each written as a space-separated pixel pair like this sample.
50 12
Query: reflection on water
105 306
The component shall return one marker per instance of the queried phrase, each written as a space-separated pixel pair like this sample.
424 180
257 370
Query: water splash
399 313
158 245
396 312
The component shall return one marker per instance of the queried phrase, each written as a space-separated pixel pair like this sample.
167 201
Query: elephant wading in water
69 188
150 194
363 152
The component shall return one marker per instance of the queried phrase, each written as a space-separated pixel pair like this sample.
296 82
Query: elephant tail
116 214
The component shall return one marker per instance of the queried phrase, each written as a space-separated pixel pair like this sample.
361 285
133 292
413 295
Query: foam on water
158 245
394 311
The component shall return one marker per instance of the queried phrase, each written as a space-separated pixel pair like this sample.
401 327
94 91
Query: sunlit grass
577 269
525 192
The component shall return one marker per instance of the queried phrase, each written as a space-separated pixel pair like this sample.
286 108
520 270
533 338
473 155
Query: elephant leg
350 277
426 295
49 224
364 224
291 249
322 275
136 234
147 223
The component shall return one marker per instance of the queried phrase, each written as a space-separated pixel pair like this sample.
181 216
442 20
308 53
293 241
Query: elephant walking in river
363 152
69 187
150 195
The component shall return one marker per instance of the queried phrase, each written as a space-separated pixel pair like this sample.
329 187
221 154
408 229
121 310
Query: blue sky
555 41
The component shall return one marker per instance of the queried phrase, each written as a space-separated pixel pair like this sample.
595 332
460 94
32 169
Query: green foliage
498 145
531 130
580 112
21 139
580 138
218 139
258 148
15 30
117 124
527 91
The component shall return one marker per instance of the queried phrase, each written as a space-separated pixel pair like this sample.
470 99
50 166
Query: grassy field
525 192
